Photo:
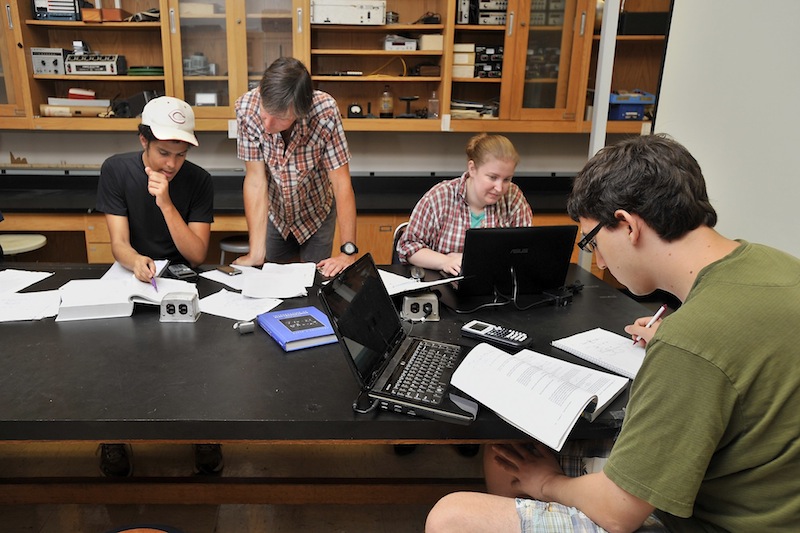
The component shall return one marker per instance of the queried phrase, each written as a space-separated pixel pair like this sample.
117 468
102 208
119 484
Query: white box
357 12
464 58
463 71
464 47
431 42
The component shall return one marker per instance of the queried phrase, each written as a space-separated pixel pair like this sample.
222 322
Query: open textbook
84 299
606 349
538 394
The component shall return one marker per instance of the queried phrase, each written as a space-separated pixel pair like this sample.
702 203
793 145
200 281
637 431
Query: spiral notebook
606 349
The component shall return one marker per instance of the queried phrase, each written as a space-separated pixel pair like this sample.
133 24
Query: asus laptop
395 371
499 263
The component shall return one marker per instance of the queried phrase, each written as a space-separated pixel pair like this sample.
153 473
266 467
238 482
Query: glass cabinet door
203 65
552 36
270 35
220 49
10 88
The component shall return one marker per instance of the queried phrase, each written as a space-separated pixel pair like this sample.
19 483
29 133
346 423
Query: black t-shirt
122 191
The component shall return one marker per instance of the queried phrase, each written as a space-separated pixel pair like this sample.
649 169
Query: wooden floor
369 461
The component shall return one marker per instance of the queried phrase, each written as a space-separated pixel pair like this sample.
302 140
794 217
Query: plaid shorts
576 459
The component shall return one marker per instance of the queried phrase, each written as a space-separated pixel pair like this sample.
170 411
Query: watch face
349 248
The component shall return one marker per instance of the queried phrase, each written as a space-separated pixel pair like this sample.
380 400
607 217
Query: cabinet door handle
583 23
8 14
299 20
510 23
172 28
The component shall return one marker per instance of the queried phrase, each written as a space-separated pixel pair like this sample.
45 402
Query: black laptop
391 366
499 264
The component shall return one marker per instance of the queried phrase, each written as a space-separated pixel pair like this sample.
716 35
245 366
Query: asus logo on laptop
519 250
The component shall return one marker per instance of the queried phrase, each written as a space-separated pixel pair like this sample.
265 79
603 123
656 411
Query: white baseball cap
170 119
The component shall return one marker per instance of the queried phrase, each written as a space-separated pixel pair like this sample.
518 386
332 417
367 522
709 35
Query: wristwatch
349 248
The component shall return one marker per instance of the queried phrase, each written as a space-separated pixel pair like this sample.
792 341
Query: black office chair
398 232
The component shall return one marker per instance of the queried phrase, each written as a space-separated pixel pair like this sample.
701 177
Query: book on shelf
538 394
295 329
87 299
605 349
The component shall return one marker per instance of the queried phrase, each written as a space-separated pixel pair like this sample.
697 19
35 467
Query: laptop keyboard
426 374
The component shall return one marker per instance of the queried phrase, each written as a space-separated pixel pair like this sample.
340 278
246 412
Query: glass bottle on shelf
387 104
433 106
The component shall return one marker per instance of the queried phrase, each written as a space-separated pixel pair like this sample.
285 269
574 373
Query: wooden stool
19 243
238 244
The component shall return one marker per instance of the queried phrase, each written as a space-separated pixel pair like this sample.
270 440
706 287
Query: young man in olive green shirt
711 437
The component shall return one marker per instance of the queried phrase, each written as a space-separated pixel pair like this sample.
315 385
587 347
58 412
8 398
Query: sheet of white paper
279 281
303 272
117 271
29 305
233 305
397 284
12 280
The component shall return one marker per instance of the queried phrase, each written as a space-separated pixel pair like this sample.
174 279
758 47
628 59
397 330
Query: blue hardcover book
295 329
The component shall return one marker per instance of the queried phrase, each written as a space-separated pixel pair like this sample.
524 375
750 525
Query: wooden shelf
477 80
391 28
377 78
79 77
80 25
351 52
480 27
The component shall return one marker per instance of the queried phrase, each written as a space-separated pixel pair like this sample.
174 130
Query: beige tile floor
44 459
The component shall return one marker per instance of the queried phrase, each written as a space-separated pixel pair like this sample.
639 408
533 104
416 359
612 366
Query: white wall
729 91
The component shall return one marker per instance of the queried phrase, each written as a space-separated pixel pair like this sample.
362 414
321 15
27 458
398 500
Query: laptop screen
363 316
539 257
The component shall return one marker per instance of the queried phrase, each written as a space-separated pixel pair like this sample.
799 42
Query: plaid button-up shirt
441 218
300 193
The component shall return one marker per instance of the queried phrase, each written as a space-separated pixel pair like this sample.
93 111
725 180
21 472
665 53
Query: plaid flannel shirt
299 191
441 218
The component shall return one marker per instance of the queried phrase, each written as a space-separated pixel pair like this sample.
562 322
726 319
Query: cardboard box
91 15
464 47
112 14
195 9
431 42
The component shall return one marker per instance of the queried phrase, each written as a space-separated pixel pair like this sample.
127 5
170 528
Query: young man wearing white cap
158 206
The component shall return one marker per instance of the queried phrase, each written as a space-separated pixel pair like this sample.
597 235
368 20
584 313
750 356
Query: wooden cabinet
205 52
141 44
352 64
98 241
207 44
545 46
12 93
211 52
637 62
541 88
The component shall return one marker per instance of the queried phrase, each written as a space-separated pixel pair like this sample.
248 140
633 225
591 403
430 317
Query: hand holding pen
651 322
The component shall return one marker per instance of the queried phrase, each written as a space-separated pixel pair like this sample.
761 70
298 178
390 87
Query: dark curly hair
652 176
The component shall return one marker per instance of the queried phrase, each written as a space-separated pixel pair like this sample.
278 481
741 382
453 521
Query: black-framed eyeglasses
588 243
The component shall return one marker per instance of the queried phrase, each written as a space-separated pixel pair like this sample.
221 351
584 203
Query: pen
653 320
153 283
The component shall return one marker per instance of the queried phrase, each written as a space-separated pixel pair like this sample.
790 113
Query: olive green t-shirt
712 428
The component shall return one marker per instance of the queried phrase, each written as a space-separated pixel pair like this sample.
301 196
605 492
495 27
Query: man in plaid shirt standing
297 173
